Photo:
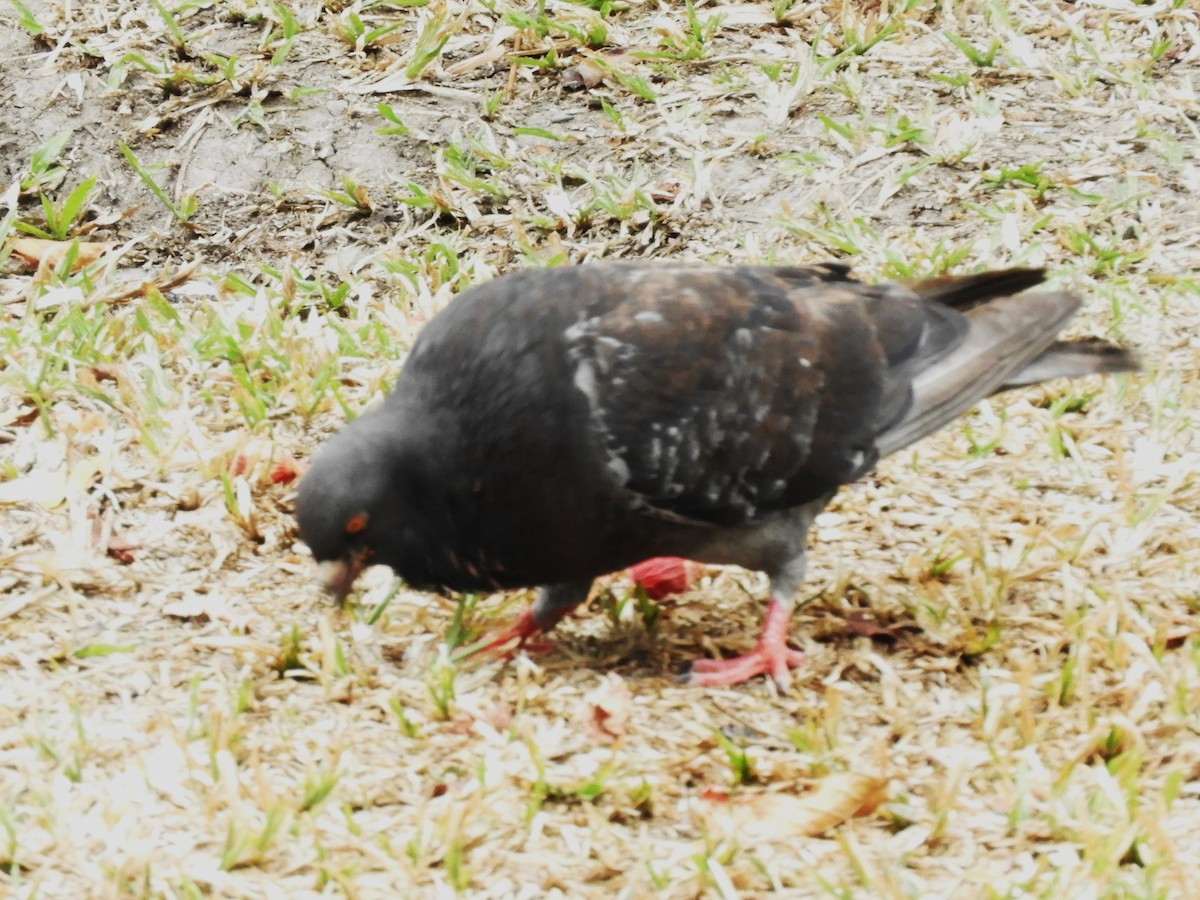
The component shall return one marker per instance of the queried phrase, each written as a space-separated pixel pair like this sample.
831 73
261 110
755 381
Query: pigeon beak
338 575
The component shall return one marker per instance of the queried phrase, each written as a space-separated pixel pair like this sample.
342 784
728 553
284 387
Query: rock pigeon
552 426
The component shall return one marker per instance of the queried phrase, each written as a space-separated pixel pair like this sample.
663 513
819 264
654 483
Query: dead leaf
199 608
859 625
20 417
1176 637
120 548
50 489
263 462
39 252
47 490
106 534
666 191
607 709
108 373
189 498
491 55
242 512
760 816
84 472
587 74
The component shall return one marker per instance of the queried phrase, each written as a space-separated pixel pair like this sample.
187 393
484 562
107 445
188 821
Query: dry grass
182 714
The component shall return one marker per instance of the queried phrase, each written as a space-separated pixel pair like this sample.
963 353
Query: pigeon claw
772 656
522 630
776 662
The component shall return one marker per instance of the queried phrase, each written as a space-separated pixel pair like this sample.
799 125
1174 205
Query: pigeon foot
772 656
522 630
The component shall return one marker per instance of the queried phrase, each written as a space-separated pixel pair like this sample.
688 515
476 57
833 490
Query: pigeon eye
356 523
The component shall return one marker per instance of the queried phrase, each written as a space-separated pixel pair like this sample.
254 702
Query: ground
1003 624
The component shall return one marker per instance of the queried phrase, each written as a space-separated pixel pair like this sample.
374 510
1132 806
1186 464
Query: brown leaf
1176 637
749 817
586 74
20 417
487 58
199 608
859 625
189 498
39 252
120 548
107 373
607 709
665 191
497 714
106 534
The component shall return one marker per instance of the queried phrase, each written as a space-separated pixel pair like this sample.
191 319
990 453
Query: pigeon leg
663 576
522 630
772 656
553 604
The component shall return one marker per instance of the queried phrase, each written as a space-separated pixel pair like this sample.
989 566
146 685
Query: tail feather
965 292
1073 359
1012 341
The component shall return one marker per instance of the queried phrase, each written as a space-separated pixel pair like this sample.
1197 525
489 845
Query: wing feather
720 394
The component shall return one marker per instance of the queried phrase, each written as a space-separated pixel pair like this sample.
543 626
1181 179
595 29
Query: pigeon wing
719 395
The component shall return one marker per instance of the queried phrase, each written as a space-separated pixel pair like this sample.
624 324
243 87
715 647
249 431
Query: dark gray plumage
555 425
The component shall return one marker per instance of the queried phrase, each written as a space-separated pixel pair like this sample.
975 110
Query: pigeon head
350 505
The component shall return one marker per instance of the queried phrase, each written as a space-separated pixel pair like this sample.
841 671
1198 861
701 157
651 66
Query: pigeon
552 426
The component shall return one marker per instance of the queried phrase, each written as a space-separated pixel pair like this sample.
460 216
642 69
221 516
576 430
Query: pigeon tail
965 292
1011 342
1073 359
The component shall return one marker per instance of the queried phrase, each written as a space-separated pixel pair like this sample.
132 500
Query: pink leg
553 604
663 576
524 628
771 656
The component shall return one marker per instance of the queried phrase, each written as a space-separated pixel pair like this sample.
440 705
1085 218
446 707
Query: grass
186 716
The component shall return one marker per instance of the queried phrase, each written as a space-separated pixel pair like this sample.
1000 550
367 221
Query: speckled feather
705 392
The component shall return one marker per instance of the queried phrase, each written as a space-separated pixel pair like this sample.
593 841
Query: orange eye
356 523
